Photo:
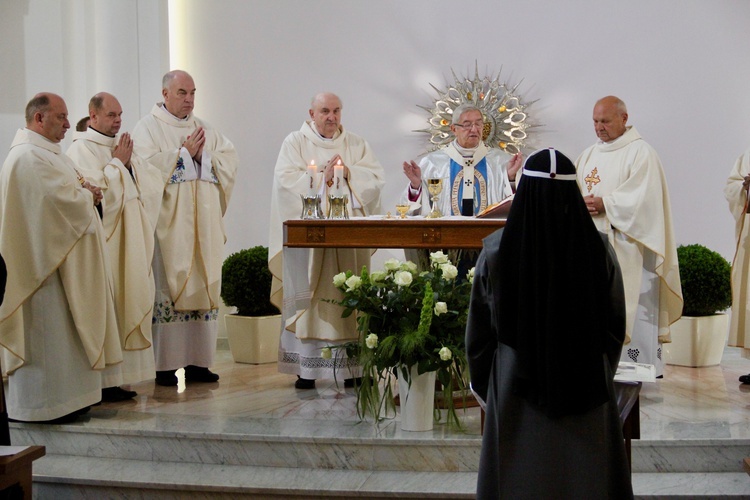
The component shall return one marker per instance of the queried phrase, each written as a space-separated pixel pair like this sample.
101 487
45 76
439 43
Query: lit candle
312 177
338 179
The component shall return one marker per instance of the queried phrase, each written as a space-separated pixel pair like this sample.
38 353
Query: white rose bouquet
405 318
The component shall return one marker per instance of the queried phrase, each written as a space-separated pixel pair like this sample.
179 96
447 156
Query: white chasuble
489 183
310 323
366 179
53 241
627 174
736 196
190 228
131 204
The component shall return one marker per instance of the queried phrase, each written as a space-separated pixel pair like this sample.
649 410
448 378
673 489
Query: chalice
435 187
402 209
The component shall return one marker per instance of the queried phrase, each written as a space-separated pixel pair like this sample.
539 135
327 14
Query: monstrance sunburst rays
505 117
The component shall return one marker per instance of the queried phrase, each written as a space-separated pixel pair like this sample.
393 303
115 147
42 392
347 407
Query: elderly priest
198 166
307 330
57 322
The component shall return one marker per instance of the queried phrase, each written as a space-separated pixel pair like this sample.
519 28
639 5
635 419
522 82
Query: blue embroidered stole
457 185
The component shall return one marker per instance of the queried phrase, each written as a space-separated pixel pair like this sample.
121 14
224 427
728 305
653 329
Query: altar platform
252 435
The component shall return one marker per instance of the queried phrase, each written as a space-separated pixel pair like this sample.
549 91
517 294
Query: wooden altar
443 233
370 232
382 232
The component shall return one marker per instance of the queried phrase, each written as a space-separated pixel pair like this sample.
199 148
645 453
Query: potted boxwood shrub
699 337
253 331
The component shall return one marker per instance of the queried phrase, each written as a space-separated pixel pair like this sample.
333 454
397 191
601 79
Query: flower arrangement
406 318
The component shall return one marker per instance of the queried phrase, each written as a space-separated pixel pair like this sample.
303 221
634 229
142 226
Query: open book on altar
497 210
635 372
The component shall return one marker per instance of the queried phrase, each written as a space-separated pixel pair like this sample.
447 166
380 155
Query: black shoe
352 382
745 379
304 383
65 419
200 374
166 378
115 394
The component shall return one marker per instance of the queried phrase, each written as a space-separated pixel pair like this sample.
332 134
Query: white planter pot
417 401
253 340
697 341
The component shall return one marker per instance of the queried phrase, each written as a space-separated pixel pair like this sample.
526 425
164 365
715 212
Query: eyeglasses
470 125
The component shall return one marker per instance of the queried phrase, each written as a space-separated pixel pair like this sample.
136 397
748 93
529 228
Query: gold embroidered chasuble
437 164
627 174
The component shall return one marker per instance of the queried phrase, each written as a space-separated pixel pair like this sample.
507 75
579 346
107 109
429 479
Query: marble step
342 446
65 477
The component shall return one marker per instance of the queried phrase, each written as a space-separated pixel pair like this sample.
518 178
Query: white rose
470 275
449 271
440 308
402 278
326 353
371 341
409 266
339 280
445 354
353 283
377 276
438 257
392 264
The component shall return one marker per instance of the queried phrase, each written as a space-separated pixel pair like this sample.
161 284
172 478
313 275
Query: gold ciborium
402 209
435 187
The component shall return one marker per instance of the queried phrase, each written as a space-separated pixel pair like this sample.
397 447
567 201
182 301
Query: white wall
77 48
682 67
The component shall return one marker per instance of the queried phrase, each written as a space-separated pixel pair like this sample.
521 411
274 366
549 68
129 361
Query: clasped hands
124 149
95 190
194 143
330 167
595 204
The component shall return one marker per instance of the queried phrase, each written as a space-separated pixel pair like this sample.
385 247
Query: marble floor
688 403
691 421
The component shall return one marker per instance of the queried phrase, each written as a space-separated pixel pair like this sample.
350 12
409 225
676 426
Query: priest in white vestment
474 176
736 193
198 166
624 186
132 196
309 323
58 327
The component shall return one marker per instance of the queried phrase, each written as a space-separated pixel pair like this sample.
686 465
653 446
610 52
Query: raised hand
413 173
515 164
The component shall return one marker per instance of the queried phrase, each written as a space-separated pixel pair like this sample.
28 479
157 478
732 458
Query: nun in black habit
544 334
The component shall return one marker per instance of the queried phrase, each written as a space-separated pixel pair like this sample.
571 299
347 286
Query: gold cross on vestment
591 179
